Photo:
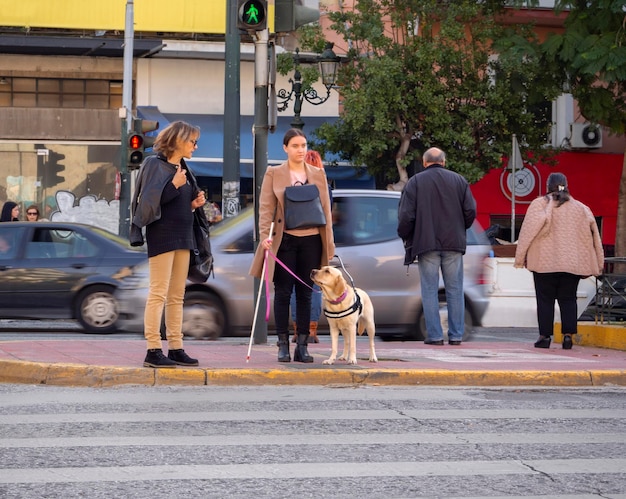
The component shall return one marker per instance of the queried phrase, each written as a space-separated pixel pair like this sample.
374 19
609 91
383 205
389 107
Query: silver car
368 247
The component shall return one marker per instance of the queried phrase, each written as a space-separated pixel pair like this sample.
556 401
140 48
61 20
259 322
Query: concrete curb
596 335
93 376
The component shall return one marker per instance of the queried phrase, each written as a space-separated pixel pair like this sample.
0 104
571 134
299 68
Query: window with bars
60 92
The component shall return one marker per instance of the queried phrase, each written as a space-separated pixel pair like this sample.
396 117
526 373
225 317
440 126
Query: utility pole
260 136
231 184
126 119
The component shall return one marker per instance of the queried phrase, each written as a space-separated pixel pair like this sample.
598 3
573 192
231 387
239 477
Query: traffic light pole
260 135
126 120
231 184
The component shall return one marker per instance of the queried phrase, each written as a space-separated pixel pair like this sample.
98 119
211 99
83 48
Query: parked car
64 270
364 224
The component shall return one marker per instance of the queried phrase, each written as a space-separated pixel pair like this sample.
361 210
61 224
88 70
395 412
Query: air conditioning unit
585 136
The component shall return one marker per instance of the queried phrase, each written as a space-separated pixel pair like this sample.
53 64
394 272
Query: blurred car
364 225
64 270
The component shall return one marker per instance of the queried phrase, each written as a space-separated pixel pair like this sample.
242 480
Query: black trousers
300 255
560 287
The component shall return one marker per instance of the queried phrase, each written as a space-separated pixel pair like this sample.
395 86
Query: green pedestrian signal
252 15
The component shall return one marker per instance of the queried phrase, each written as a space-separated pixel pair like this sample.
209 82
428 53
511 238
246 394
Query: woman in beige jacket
559 243
301 250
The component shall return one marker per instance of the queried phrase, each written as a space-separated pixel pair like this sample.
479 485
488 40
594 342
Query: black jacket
153 176
436 208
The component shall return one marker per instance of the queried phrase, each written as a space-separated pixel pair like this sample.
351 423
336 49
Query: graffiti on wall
89 210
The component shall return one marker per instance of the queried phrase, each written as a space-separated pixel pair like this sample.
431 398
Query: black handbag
201 258
303 208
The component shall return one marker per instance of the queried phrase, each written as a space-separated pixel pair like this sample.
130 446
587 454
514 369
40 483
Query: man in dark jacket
436 208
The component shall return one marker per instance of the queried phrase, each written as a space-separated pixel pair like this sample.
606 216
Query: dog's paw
328 362
352 362
343 357
373 359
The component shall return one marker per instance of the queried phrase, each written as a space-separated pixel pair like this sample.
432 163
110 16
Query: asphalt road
312 442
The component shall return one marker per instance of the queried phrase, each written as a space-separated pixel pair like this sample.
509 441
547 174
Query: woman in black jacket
10 212
164 201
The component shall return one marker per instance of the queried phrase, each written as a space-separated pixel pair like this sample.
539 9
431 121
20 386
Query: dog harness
356 306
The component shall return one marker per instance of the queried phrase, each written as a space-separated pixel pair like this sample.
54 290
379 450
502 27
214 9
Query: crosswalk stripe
312 470
308 415
320 438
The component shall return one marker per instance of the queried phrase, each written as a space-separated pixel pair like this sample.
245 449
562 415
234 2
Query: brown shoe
313 332
295 333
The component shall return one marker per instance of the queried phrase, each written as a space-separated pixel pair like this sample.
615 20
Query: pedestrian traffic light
135 150
289 15
252 14
51 177
138 141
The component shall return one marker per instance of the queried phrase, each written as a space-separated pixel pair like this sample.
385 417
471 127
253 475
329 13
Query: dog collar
357 306
340 299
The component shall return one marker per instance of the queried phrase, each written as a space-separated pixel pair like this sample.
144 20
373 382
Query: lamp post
328 63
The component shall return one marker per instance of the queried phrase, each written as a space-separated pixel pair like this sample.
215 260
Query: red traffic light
135 142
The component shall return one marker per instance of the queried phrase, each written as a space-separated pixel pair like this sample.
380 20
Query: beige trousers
168 274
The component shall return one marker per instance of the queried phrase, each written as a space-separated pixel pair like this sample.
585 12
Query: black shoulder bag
303 208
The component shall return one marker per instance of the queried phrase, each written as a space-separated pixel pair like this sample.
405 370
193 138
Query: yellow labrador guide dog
346 308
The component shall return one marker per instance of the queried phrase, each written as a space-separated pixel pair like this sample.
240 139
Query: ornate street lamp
328 64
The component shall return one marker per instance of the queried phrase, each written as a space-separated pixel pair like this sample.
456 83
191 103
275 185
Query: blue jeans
451 265
316 304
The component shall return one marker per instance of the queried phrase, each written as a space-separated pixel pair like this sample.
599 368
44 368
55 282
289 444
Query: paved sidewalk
100 362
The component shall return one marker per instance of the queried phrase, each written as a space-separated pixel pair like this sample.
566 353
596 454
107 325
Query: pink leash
267 282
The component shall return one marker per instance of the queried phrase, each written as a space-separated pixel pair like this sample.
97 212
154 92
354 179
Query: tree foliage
592 54
422 73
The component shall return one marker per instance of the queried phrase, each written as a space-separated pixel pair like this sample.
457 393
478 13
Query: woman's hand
267 244
199 201
180 177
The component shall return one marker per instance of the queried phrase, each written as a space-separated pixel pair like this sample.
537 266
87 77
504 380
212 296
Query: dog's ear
338 284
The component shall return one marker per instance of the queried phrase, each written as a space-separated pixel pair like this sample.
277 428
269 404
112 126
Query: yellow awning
182 16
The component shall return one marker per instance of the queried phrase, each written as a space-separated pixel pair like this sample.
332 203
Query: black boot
155 358
301 354
181 358
283 347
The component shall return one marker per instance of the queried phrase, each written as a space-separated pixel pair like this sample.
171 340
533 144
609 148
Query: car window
476 236
8 245
52 243
243 244
365 220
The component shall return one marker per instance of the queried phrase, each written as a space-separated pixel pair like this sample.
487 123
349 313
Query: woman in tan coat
559 243
301 250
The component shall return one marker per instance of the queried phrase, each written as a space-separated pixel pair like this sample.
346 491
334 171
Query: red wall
593 179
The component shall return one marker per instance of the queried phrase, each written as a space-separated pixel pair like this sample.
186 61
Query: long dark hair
7 209
557 188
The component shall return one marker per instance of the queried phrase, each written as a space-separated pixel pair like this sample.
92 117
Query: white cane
258 298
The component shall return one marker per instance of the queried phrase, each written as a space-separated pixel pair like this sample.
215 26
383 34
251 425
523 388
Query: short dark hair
291 133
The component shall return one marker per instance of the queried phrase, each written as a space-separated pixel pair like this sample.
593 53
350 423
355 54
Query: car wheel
204 316
420 327
97 310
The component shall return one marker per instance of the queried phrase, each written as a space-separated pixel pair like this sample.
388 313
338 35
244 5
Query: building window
59 92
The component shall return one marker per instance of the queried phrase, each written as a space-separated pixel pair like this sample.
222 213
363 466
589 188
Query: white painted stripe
604 495
309 415
319 439
311 470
